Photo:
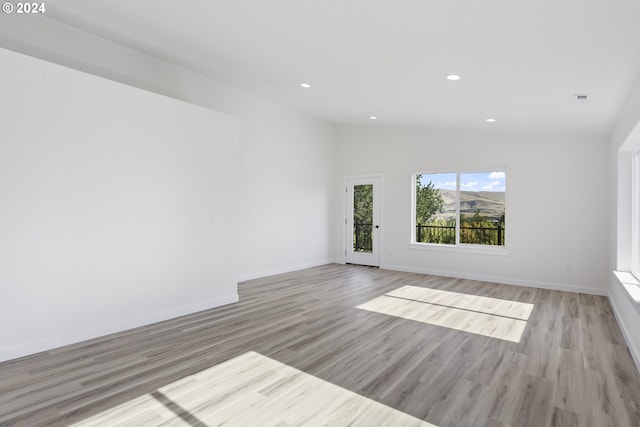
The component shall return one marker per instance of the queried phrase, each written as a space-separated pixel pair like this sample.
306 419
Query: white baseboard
635 352
496 279
74 337
281 270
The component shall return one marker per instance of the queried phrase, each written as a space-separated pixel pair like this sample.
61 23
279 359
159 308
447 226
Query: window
628 216
635 214
460 208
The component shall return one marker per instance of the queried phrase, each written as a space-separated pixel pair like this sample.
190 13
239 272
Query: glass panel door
363 218
362 224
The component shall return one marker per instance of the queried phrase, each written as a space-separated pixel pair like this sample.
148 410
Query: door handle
377 226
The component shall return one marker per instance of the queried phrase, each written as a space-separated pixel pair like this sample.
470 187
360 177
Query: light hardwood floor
345 345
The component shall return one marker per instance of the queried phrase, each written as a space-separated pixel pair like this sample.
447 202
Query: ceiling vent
581 98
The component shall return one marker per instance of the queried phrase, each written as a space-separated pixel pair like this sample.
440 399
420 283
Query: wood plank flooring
345 345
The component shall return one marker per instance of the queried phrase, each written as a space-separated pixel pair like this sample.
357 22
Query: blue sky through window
476 181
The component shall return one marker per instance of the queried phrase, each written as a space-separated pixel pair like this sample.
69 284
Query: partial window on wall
635 215
460 208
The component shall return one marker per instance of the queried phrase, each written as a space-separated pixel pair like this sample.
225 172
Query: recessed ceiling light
490 120
373 117
305 85
453 77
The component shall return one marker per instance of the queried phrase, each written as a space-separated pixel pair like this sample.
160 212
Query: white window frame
635 213
458 246
628 224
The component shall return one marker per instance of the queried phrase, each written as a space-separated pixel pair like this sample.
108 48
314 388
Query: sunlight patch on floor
486 316
252 390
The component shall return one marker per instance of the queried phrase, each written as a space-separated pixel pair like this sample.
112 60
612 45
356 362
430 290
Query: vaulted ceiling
521 63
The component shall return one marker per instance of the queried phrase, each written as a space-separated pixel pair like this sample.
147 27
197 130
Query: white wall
625 134
119 206
286 157
557 233
283 176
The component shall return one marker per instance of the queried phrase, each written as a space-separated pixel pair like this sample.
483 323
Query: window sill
469 249
630 284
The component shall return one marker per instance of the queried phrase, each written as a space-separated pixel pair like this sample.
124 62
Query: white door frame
347 241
